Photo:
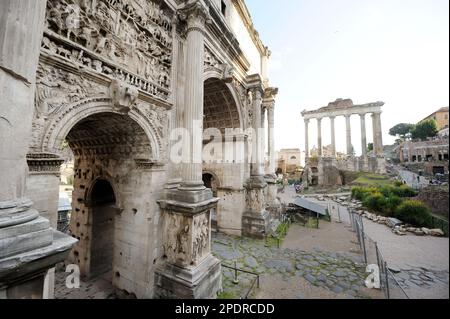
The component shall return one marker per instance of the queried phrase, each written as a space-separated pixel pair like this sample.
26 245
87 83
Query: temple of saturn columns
112 80
324 170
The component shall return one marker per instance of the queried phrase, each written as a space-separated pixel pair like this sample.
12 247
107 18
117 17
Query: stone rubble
397 226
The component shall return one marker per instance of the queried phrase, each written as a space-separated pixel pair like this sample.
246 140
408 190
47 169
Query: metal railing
254 282
373 256
440 223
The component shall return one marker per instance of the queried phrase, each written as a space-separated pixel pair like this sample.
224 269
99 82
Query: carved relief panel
129 40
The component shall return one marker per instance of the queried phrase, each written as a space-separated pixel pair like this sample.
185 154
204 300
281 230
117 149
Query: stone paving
98 288
339 273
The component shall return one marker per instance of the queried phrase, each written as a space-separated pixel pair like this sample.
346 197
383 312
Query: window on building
293 158
414 158
224 8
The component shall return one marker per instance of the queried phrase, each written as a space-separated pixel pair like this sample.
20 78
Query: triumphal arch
152 97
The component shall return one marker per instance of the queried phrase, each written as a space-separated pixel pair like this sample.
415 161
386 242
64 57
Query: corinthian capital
196 13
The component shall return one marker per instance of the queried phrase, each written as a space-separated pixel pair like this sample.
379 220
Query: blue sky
396 51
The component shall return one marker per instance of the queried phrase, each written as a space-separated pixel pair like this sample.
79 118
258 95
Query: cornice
243 11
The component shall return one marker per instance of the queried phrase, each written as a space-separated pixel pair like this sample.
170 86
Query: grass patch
370 179
279 235
226 295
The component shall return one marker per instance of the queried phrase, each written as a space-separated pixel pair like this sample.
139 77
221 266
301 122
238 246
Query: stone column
191 169
363 135
274 205
333 136
319 137
257 156
28 246
348 129
377 134
175 118
271 133
306 139
263 137
256 219
189 270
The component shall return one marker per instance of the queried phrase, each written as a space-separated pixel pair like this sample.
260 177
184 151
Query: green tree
370 147
402 130
425 130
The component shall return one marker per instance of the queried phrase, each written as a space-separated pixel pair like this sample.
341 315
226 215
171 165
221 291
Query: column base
273 203
22 275
255 221
255 225
201 282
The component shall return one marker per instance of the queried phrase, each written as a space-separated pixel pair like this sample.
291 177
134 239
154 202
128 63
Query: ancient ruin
113 80
324 171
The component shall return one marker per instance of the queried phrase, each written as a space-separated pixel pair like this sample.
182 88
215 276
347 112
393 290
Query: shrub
387 190
357 193
405 191
375 201
360 193
392 202
414 212
398 184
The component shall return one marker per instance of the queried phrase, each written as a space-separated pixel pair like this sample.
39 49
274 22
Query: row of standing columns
377 135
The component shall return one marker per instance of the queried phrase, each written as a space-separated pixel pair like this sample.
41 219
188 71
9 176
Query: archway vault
222 108
146 119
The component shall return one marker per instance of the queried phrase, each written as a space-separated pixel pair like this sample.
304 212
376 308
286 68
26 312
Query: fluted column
348 130
191 169
21 29
263 136
271 132
319 137
28 245
306 139
257 154
377 134
333 137
363 135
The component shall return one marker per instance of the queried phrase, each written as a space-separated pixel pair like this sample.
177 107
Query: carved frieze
126 40
56 88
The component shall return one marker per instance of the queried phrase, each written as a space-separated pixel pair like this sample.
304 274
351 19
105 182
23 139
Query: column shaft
377 134
306 139
263 137
257 156
191 169
363 135
333 137
348 135
271 129
319 137
21 31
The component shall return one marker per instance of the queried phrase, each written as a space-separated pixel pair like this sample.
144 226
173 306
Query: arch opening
226 170
103 212
106 148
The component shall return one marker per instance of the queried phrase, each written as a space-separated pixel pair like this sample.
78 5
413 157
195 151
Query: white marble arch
60 126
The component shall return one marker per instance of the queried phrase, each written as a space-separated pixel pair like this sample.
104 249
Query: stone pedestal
189 270
273 203
256 218
29 247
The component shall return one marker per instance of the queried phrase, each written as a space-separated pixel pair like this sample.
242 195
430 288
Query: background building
289 161
441 118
